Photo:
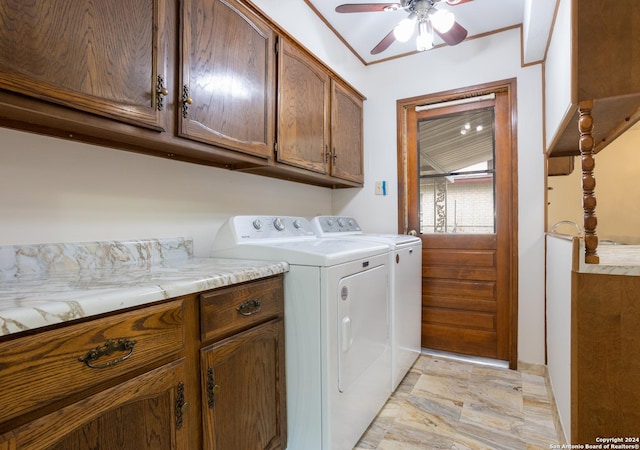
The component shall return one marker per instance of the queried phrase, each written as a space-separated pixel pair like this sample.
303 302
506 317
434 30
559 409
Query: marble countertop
52 283
615 259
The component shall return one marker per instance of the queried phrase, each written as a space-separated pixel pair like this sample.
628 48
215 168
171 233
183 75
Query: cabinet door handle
161 92
181 405
212 388
249 307
186 101
121 345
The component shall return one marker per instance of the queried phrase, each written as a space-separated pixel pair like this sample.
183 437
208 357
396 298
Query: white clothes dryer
405 268
338 355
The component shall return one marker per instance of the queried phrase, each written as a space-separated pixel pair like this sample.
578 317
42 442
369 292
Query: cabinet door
346 133
228 78
243 382
143 413
303 110
96 56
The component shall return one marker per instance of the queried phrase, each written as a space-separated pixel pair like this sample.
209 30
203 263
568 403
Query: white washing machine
338 355
405 267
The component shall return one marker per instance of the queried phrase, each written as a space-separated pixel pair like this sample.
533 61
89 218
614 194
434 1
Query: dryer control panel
331 225
247 228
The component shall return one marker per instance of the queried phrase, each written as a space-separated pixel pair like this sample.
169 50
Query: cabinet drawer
45 367
226 311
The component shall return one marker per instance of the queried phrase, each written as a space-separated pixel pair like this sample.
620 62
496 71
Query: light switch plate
381 188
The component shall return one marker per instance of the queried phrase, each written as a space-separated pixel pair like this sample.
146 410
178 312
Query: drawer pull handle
120 345
249 307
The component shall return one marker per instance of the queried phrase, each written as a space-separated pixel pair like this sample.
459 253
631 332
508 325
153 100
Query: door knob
412 233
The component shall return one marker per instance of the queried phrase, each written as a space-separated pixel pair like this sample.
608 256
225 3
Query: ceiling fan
424 13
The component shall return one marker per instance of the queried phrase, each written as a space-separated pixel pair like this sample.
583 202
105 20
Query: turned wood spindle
585 125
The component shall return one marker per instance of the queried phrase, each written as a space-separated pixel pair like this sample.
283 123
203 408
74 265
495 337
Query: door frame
510 224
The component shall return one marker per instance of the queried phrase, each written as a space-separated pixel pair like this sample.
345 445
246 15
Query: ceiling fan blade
384 43
455 35
457 2
367 7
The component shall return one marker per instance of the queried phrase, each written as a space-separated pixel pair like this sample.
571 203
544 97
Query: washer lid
395 239
317 252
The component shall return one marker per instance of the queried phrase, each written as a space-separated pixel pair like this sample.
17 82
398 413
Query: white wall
617 191
55 190
52 190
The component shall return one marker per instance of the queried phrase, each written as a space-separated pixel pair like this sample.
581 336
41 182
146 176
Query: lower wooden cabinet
46 368
242 367
243 397
143 413
203 371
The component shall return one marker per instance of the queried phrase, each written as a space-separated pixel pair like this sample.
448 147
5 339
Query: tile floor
447 404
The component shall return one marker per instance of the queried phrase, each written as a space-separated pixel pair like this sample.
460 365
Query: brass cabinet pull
212 388
181 406
249 307
121 345
161 92
186 101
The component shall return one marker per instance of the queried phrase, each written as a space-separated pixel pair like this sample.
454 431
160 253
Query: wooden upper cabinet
346 133
195 80
594 55
303 110
102 57
228 77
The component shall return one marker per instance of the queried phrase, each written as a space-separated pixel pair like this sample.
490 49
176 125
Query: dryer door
363 323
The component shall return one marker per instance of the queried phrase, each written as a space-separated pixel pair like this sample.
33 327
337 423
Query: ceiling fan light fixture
442 19
424 41
404 29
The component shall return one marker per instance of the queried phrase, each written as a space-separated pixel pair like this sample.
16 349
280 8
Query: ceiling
361 32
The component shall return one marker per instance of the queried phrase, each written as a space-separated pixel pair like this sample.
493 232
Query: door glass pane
457 176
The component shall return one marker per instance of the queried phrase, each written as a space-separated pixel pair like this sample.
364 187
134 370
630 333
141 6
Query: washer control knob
297 224
257 224
341 222
350 222
330 222
278 223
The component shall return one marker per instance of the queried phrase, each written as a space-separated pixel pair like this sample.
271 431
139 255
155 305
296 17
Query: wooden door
303 110
469 266
144 413
228 77
243 393
107 58
346 133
